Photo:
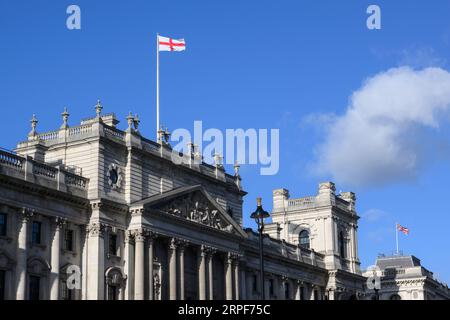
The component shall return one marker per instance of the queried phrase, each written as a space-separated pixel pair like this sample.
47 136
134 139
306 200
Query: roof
397 262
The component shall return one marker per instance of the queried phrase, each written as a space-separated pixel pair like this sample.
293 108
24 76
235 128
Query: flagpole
157 87
396 236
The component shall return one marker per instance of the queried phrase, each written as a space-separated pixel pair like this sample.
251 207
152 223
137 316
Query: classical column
22 254
237 286
55 259
173 269
129 265
151 258
202 273
181 248
96 261
298 285
211 252
139 278
229 277
281 287
312 289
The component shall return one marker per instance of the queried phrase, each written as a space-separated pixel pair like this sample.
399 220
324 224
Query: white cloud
374 215
382 137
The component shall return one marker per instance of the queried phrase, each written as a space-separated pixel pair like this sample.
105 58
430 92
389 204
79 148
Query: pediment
194 204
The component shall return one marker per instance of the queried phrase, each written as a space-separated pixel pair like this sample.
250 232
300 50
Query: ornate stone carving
114 277
96 229
140 234
196 208
27 214
114 175
60 222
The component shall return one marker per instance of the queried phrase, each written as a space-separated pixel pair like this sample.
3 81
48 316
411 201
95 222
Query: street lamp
259 215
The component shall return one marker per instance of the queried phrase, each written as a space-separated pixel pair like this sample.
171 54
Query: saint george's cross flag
402 229
169 44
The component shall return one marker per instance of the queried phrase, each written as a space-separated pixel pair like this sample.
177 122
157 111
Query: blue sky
291 65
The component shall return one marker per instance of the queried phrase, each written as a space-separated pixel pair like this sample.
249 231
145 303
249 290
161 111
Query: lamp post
259 215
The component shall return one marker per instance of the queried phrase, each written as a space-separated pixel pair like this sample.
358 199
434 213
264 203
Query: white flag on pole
169 44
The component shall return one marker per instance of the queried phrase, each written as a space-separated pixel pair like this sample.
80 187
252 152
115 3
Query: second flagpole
157 87
396 237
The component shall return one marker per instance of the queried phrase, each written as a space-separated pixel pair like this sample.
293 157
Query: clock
114 175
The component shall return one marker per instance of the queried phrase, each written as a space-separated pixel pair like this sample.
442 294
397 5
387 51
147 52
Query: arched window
395 297
304 239
341 244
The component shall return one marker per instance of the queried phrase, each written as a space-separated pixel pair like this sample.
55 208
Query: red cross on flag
402 229
169 44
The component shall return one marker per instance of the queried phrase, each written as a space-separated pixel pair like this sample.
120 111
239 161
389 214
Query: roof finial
33 122
218 160
136 122
65 115
237 176
130 120
98 109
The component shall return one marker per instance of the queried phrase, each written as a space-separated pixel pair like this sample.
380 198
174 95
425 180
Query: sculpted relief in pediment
196 207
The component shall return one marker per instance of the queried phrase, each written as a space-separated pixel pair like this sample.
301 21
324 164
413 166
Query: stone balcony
53 177
288 250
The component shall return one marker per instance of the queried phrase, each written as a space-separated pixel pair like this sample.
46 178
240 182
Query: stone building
326 223
402 277
94 212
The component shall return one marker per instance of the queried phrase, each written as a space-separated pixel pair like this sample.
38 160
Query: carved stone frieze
195 207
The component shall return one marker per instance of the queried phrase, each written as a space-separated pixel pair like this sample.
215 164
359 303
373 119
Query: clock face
114 176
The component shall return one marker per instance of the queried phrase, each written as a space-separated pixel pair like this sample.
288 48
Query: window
112 292
2 285
112 244
341 244
304 239
66 293
3 221
34 287
316 295
68 240
36 232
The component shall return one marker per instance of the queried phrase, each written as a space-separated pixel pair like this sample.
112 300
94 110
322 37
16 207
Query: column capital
209 251
140 234
174 243
233 257
96 229
182 244
27 214
151 236
129 236
59 222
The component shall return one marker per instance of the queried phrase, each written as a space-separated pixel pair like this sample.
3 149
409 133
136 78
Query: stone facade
404 278
327 224
94 212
